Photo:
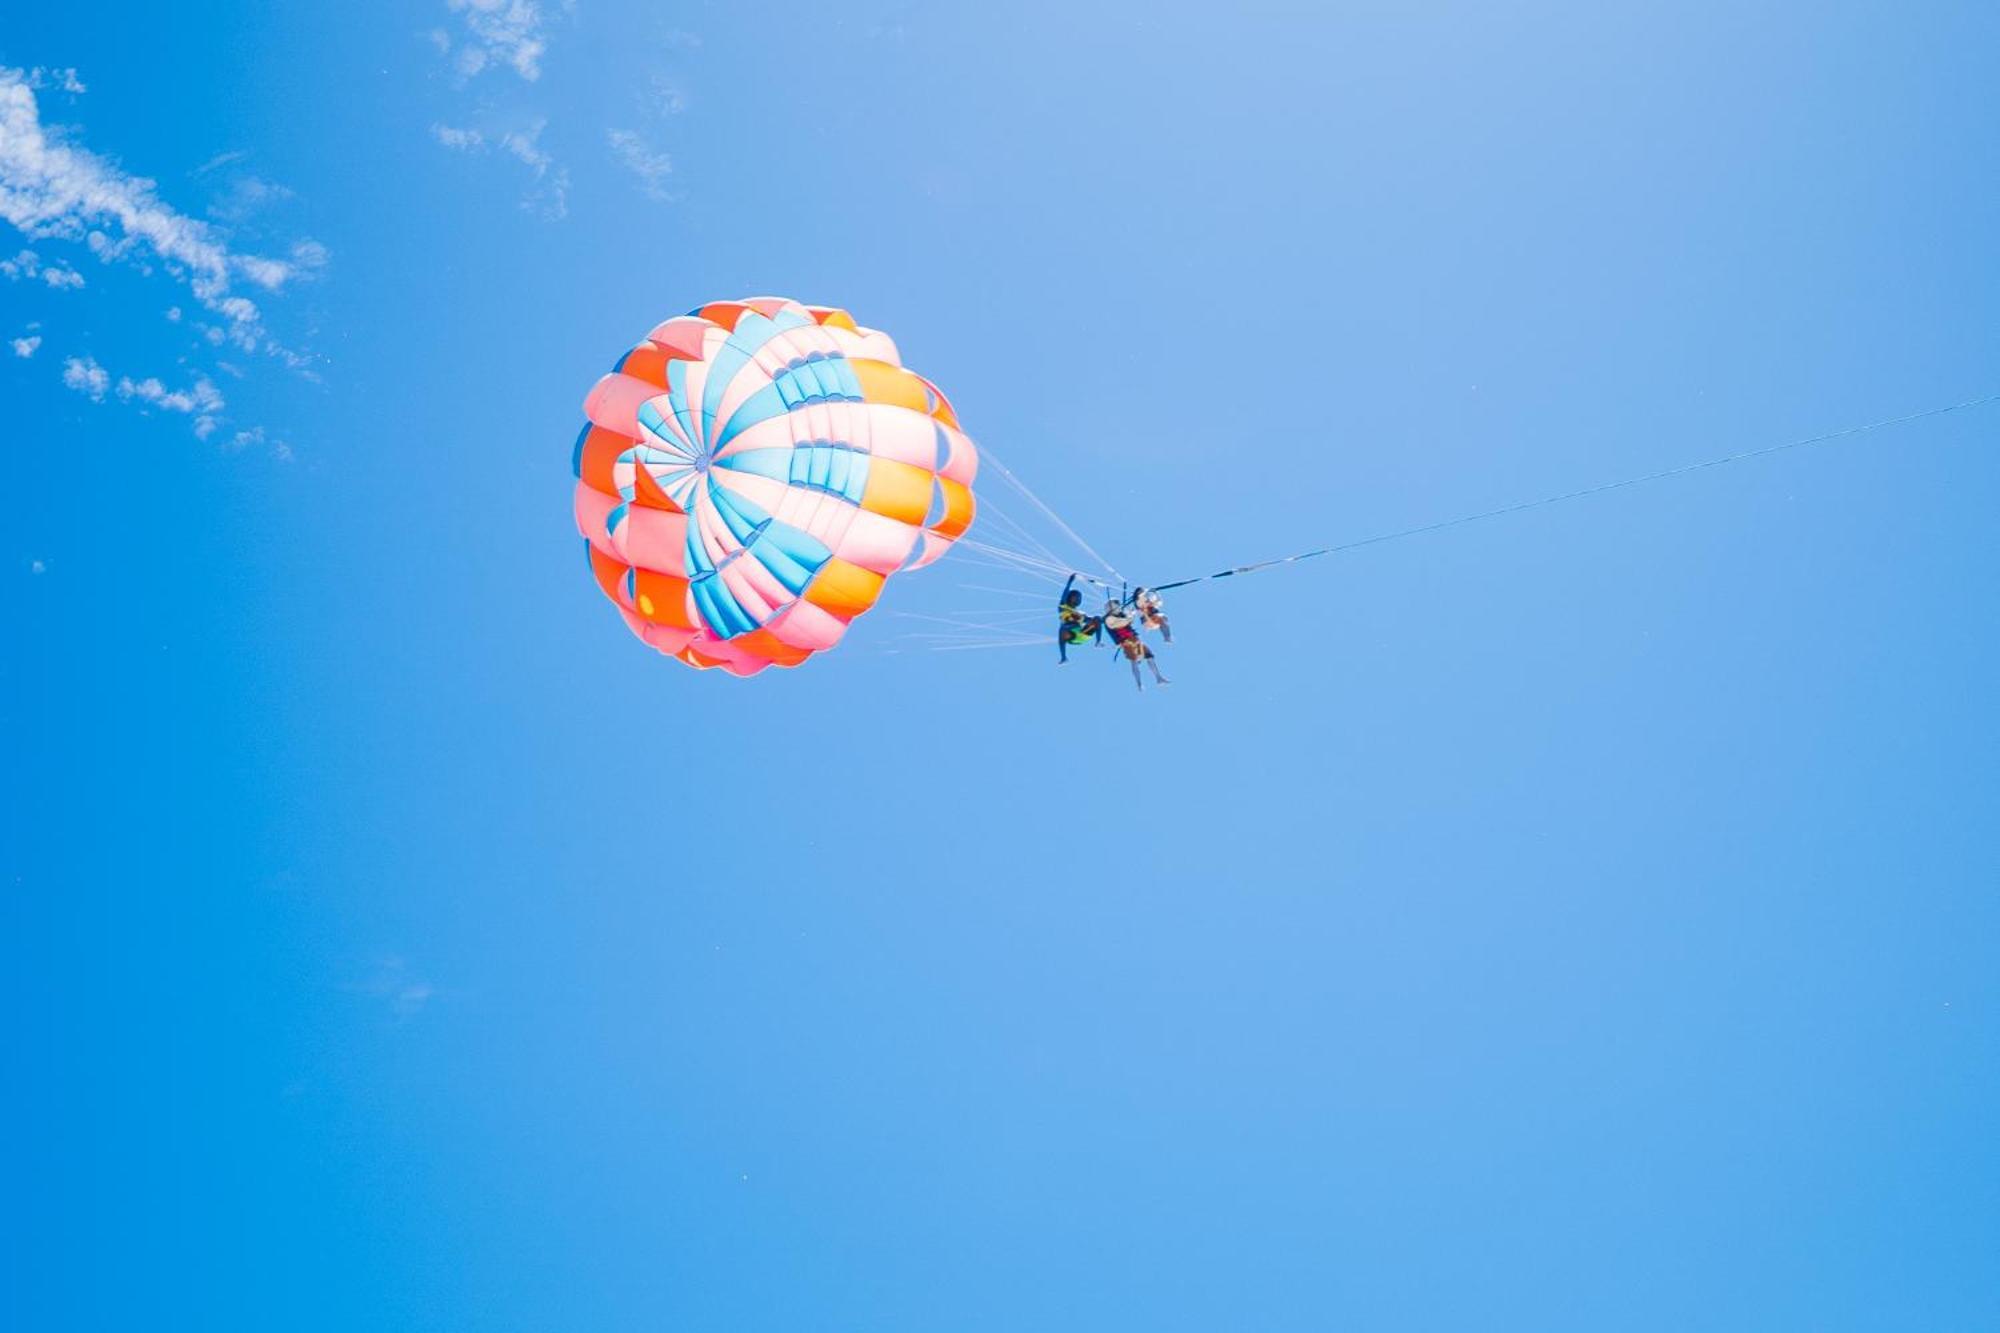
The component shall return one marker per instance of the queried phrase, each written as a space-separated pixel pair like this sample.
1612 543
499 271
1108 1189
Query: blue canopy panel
790 554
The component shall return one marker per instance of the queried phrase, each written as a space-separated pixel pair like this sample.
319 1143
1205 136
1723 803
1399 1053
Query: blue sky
1584 919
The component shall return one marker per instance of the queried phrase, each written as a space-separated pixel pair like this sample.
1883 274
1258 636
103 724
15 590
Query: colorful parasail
753 472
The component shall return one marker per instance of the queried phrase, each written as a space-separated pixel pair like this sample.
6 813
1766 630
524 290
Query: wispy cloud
651 168
220 160
550 196
393 983
240 199
256 438
52 187
25 347
63 80
502 32
462 140
669 96
526 145
28 264
245 197
200 400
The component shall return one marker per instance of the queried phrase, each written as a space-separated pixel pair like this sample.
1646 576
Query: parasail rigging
753 474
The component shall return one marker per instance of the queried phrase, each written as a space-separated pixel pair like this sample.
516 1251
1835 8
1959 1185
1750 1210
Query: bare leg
1154 663
1135 676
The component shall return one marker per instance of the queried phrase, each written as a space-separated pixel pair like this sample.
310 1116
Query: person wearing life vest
1074 629
1118 621
1153 613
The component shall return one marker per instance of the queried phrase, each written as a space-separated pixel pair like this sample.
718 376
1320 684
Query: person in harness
1153 613
1074 629
1118 621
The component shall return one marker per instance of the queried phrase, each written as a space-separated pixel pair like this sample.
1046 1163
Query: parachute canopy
754 471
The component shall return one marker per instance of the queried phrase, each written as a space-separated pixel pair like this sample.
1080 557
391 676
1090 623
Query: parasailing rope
1546 500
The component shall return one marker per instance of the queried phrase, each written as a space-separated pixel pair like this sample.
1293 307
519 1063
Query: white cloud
50 187
508 32
550 197
83 374
25 347
199 399
220 160
247 439
28 264
38 567
512 33
173 314
111 251
244 329
526 145
62 80
650 167
465 141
